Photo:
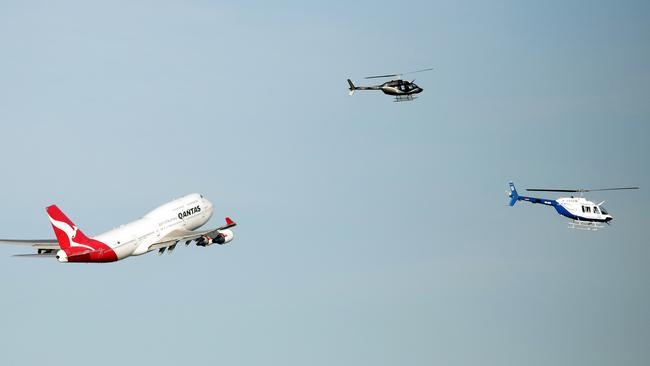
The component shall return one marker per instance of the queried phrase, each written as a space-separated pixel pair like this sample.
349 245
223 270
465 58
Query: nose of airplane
208 206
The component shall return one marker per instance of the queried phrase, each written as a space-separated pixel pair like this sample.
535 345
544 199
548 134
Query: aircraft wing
176 236
42 255
34 243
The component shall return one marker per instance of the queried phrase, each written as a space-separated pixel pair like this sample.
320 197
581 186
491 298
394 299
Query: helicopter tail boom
514 197
353 87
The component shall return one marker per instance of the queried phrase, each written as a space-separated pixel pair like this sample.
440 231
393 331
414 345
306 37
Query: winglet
229 224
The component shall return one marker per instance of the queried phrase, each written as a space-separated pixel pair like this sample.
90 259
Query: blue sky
371 232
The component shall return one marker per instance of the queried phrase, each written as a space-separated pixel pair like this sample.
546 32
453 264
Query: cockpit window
603 211
596 210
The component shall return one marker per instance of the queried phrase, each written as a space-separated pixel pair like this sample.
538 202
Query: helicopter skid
404 98
585 225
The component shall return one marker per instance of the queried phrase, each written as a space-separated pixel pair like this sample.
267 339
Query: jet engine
215 237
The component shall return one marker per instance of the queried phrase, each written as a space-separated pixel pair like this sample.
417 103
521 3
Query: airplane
402 90
584 214
161 229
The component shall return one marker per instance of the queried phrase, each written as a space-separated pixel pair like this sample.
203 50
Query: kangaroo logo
70 232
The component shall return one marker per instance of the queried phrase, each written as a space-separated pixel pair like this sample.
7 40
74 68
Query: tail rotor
512 194
352 88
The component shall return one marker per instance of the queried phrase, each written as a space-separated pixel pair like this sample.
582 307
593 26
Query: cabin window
596 210
588 209
583 208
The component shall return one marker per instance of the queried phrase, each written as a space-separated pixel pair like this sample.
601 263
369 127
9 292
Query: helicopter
584 214
402 90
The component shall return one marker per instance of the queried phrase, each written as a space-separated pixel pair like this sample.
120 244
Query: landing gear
404 98
585 225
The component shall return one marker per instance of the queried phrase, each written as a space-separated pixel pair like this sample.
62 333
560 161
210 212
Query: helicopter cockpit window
596 210
603 211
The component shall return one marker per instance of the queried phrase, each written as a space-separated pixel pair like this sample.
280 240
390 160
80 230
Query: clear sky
371 232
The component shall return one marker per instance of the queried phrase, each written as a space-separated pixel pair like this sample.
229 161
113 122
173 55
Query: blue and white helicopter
583 213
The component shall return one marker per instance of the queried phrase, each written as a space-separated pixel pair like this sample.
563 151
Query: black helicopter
402 90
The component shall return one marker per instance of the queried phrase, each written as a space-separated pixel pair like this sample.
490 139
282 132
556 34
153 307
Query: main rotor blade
413 72
580 190
553 190
382 76
398 75
610 189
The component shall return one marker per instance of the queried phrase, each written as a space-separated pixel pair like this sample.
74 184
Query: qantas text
191 211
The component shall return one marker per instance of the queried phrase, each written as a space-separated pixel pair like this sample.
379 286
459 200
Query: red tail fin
65 230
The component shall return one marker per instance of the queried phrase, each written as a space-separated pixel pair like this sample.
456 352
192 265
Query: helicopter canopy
402 85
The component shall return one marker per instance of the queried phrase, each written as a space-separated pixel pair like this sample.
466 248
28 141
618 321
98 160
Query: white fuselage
135 238
582 208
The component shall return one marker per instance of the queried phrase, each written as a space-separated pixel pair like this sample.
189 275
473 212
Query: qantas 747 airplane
160 229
